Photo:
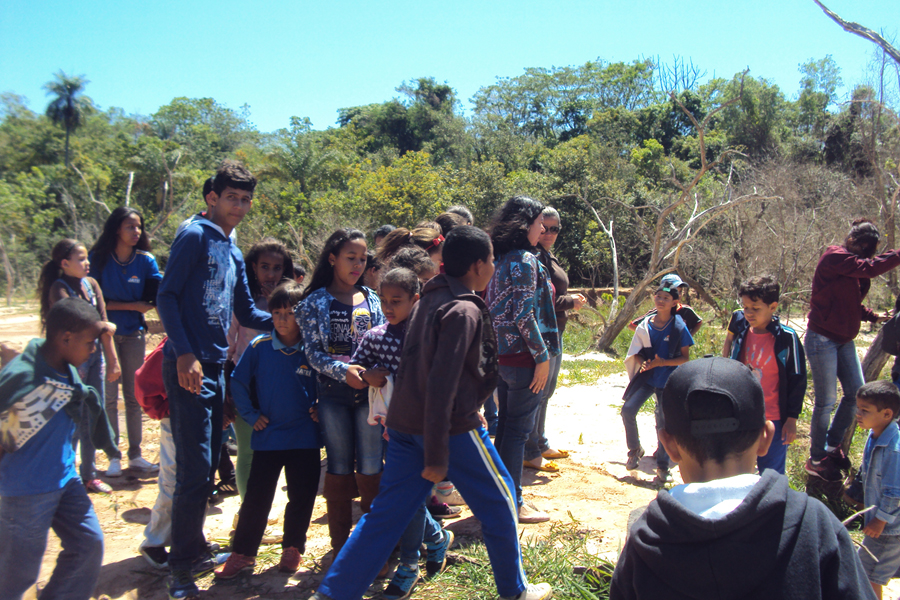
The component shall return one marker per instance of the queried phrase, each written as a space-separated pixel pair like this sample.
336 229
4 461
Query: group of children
392 383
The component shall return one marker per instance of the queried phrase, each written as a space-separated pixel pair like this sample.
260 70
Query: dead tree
669 238
863 32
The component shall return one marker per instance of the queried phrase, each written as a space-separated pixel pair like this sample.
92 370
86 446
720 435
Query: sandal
551 453
549 466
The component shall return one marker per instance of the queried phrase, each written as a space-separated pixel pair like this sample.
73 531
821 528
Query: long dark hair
109 238
266 246
509 227
52 270
863 238
323 274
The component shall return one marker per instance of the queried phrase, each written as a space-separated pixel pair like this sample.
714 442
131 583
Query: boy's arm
456 333
889 502
726 347
240 386
182 266
244 308
796 378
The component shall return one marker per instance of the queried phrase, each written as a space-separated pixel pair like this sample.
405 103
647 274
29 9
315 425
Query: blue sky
309 59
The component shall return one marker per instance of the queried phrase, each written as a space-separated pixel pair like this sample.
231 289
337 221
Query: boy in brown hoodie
447 370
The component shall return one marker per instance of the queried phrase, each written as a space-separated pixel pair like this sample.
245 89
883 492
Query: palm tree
69 106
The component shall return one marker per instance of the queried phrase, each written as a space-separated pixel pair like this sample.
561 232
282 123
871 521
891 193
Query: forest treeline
615 136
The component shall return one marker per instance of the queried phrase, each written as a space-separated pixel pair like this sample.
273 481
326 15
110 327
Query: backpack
890 332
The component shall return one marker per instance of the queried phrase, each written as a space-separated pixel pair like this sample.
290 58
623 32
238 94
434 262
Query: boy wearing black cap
728 533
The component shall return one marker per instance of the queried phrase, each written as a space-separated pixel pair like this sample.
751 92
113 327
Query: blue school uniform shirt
660 340
204 282
285 385
46 462
125 283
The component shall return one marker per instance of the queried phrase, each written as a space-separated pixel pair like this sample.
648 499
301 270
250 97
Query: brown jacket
448 367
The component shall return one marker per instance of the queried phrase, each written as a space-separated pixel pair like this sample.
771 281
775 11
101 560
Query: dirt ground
592 487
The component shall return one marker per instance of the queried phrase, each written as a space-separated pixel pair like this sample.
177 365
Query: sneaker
839 459
534 591
235 564
436 558
402 583
182 586
156 556
442 510
139 464
208 562
98 485
115 468
528 513
447 492
634 457
823 469
662 477
290 560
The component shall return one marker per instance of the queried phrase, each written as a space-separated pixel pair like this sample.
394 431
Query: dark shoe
662 477
442 510
156 556
227 488
823 469
182 586
839 459
634 458
208 563
436 558
402 583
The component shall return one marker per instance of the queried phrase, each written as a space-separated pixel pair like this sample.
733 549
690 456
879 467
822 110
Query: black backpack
890 332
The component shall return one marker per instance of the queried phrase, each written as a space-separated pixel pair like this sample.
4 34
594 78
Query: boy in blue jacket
285 436
41 400
204 283
775 354
877 407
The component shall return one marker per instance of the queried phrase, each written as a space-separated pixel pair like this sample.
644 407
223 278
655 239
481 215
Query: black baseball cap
730 379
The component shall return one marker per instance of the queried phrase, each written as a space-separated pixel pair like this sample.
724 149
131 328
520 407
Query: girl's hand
261 423
354 377
113 370
580 301
789 431
541 373
376 377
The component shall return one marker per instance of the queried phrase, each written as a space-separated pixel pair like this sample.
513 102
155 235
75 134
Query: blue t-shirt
125 283
46 462
659 340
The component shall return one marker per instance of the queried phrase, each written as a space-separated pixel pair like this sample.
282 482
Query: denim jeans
158 532
476 470
24 523
829 363
490 413
776 457
130 349
349 439
422 529
518 408
537 442
633 403
197 431
92 373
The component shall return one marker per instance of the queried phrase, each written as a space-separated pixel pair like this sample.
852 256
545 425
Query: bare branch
863 32
90 193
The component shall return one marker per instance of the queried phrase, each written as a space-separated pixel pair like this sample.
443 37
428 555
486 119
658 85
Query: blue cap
672 280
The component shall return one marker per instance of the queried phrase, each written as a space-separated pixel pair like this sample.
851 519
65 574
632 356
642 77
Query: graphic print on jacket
219 287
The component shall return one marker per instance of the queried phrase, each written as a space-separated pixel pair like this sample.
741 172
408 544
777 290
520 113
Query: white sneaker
529 513
139 464
115 468
539 591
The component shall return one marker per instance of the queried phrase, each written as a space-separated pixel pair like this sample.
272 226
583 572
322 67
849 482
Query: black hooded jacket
778 543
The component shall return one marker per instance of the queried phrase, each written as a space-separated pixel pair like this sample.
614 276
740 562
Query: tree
818 90
69 107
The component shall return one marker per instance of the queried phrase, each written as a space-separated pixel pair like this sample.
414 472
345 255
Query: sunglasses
554 229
